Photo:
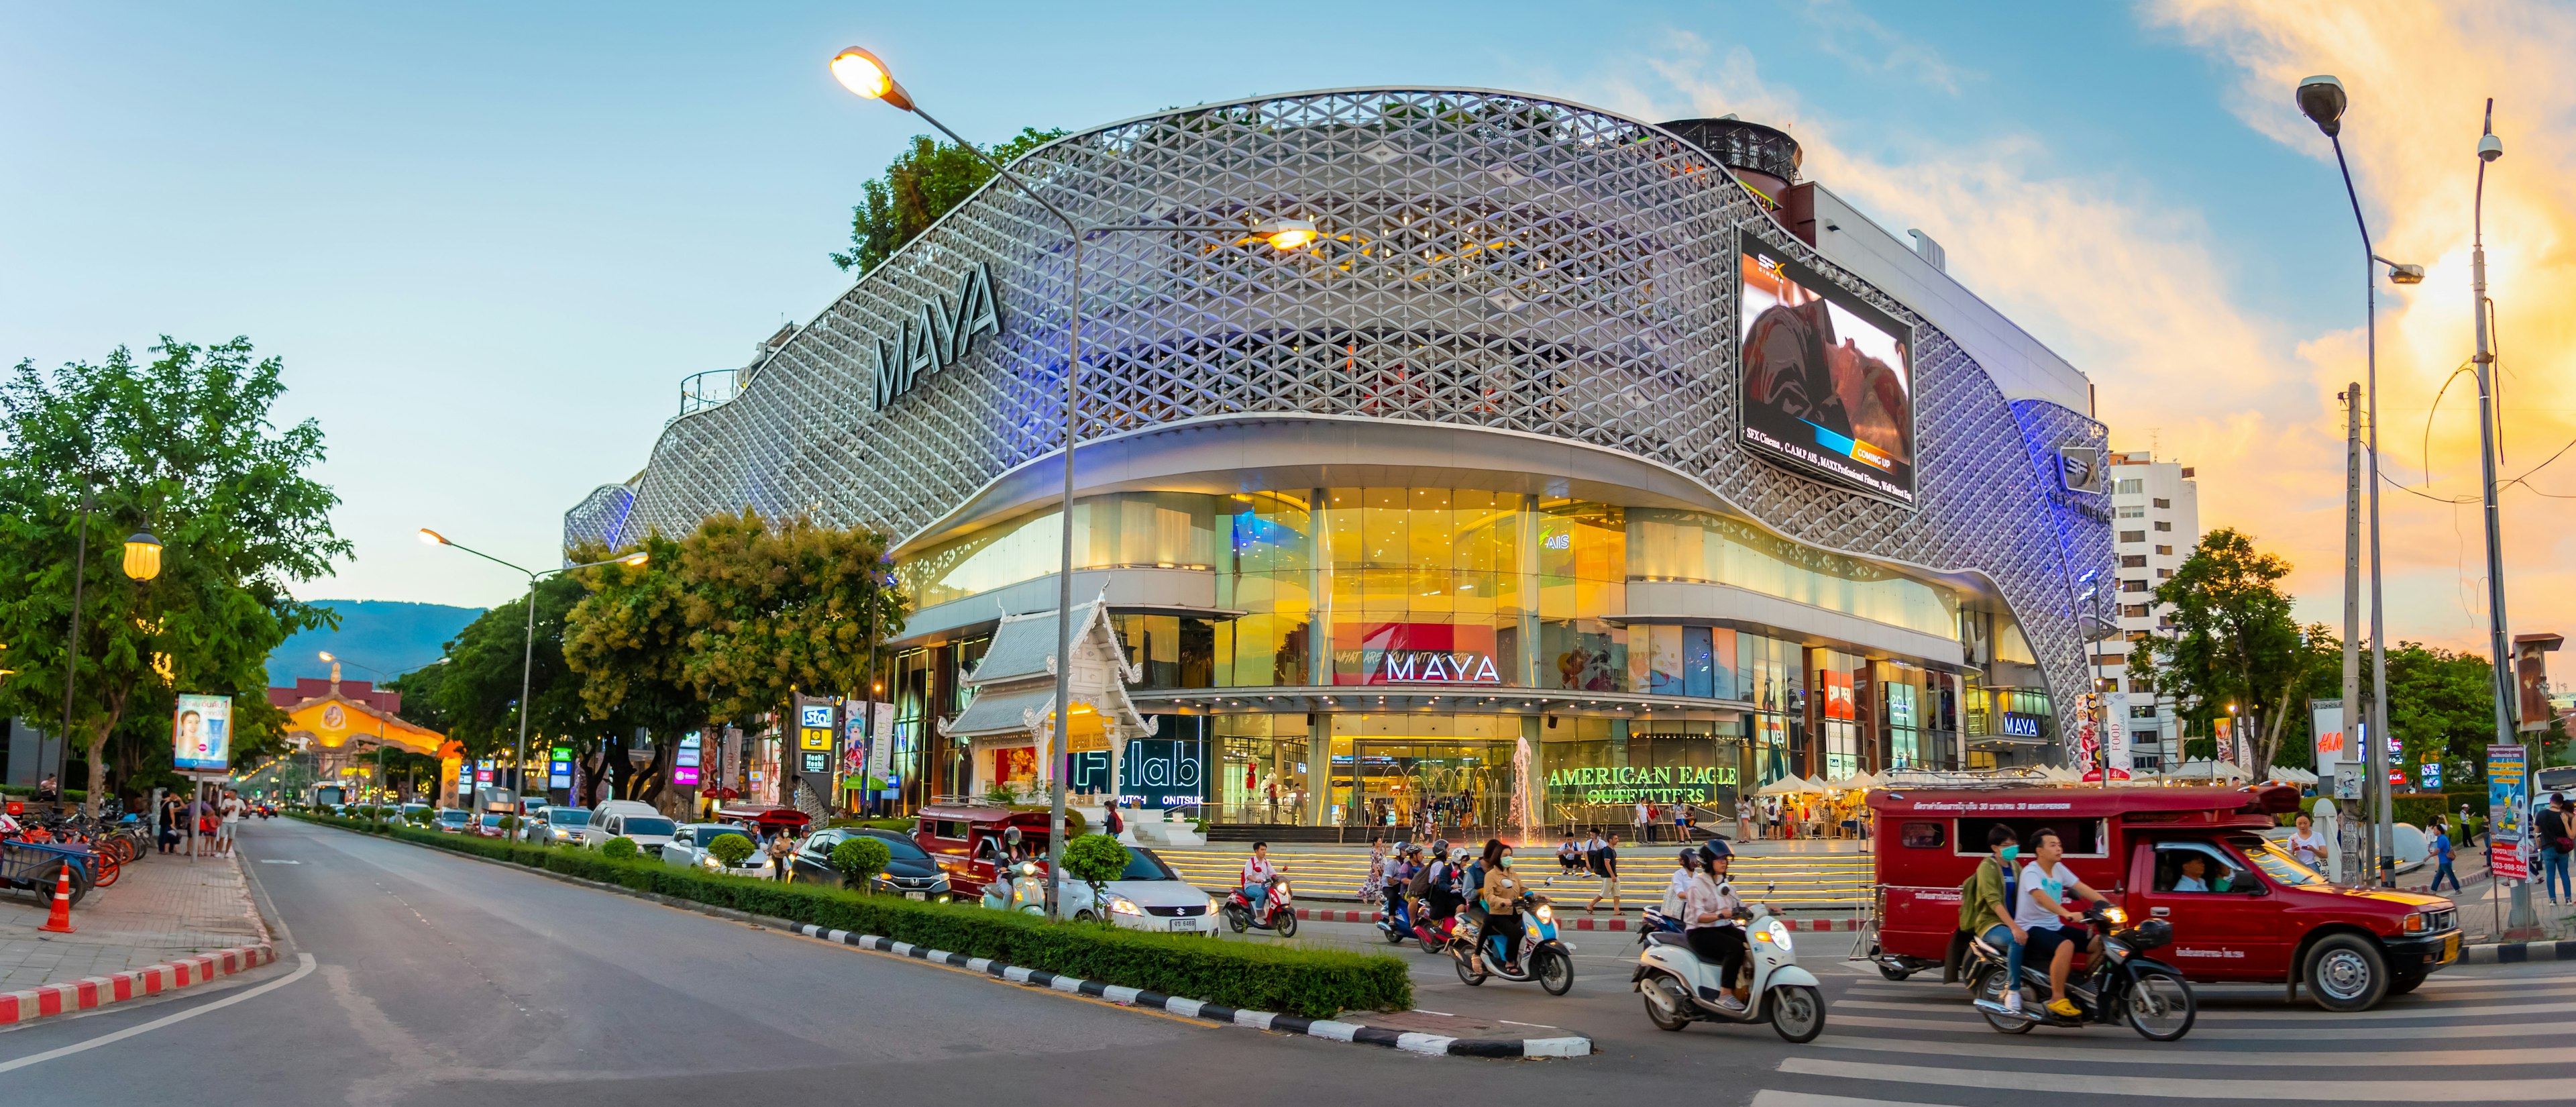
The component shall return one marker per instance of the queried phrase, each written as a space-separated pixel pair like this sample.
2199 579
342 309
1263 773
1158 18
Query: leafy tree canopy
918 187
182 447
2234 642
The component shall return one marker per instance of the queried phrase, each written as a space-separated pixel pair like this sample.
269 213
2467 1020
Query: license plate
1184 924
2450 949
916 895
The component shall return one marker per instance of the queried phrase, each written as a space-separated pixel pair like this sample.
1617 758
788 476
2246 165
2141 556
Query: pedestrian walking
2554 847
1604 861
2441 851
230 812
2306 845
1682 823
1373 886
1743 819
1645 822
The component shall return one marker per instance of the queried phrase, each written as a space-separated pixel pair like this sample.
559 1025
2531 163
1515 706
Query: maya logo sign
2020 725
934 337
1439 666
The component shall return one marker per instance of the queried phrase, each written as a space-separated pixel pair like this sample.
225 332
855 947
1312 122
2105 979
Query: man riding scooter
2051 930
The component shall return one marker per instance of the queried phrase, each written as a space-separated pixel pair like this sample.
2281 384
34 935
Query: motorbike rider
1709 908
1986 907
1257 875
1399 876
1678 888
2050 930
1501 896
1440 883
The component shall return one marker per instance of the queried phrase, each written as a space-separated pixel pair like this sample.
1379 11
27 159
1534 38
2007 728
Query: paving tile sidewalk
161 909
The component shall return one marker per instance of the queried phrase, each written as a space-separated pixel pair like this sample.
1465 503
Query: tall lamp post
864 74
528 653
2321 99
142 563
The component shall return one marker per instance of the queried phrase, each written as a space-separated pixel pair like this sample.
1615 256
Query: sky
488 240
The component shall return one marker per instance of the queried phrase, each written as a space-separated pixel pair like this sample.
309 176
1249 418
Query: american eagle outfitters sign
1633 783
934 337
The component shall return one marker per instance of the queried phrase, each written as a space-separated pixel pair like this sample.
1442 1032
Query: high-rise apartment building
2155 522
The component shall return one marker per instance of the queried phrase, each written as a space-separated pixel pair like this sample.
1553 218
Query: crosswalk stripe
1770 1097
2167 1087
2151 1054
2321 1029
2382 1014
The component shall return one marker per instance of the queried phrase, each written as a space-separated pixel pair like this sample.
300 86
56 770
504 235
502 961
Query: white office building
2155 522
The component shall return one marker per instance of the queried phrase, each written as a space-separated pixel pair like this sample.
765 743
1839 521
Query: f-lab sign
934 337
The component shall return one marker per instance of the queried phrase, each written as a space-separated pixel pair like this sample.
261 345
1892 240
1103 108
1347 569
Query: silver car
689 850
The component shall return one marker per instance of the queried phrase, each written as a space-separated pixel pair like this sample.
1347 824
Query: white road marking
303 970
2166 1087
2149 1054
2488 1031
2303 1012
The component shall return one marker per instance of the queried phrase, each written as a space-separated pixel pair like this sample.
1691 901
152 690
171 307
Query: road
433 976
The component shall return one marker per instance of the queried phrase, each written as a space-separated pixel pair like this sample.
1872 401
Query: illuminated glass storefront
1328 590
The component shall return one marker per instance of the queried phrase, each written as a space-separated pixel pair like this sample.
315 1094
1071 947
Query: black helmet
1713 851
1690 859
1441 847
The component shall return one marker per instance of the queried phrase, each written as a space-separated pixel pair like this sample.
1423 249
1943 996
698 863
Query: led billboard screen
1828 379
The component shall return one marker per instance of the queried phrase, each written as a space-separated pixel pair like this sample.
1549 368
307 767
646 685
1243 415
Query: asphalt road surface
411 976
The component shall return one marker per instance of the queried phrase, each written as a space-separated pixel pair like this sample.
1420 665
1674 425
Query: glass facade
1414 587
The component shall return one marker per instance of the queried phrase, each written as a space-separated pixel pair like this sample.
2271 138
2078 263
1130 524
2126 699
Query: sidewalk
161 909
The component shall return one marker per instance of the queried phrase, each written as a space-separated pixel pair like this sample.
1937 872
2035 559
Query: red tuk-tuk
768 819
969 841
2266 918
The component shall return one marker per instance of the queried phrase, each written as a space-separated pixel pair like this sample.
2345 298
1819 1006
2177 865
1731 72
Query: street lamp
142 556
528 653
867 76
2321 99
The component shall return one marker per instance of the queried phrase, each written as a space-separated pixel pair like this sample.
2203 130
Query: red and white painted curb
1578 922
99 991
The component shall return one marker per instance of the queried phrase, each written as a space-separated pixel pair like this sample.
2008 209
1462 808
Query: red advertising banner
2510 864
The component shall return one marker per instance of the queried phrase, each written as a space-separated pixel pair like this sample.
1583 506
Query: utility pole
2489 149
2352 607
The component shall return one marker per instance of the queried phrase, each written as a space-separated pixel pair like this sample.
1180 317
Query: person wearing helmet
1678 888
1440 882
1708 919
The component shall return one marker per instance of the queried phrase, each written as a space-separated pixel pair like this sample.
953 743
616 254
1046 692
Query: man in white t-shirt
2040 909
232 808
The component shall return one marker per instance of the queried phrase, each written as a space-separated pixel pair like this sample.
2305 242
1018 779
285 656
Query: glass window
2187 867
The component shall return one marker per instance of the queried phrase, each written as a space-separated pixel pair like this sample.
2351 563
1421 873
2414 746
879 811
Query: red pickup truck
2263 918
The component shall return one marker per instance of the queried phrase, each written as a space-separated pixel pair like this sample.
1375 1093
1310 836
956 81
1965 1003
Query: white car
688 850
649 829
1148 896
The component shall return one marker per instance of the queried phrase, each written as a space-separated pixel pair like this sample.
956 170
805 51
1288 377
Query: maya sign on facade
934 337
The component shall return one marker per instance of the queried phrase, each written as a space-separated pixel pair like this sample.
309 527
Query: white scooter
1024 893
1680 989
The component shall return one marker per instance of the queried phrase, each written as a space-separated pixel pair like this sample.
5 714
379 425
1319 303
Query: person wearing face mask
1501 898
1986 906
1708 919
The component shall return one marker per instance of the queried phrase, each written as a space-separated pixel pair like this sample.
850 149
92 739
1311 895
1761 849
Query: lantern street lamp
867 76
528 652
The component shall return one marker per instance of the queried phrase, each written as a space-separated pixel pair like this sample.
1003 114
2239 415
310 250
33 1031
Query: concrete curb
99 991
1329 1029
1565 921
2515 953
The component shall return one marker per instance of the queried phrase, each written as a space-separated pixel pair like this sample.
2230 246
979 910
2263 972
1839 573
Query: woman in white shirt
2306 844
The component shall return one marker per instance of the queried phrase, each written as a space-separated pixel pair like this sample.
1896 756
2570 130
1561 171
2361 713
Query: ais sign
934 337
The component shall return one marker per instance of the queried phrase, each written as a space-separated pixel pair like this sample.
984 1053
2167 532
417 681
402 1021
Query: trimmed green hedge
1316 983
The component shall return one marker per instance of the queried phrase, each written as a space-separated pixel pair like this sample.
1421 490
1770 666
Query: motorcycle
1656 922
1025 892
2119 983
1542 956
1396 921
1430 932
1277 914
1680 988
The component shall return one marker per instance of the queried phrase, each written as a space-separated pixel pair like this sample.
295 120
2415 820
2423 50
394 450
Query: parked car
411 809
911 872
648 828
555 825
488 825
689 850
454 820
1148 896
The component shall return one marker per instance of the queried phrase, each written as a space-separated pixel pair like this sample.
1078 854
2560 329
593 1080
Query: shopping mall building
1606 455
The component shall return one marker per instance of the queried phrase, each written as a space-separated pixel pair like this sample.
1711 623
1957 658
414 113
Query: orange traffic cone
60 922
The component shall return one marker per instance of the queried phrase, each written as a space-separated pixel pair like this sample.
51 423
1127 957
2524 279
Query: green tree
1095 860
627 641
183 447
732 848
918 187
860 858
2234 642
476 693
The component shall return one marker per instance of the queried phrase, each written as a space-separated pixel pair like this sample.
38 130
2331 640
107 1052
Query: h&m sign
934 337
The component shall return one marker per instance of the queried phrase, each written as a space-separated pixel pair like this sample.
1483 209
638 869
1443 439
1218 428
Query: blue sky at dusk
490 239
